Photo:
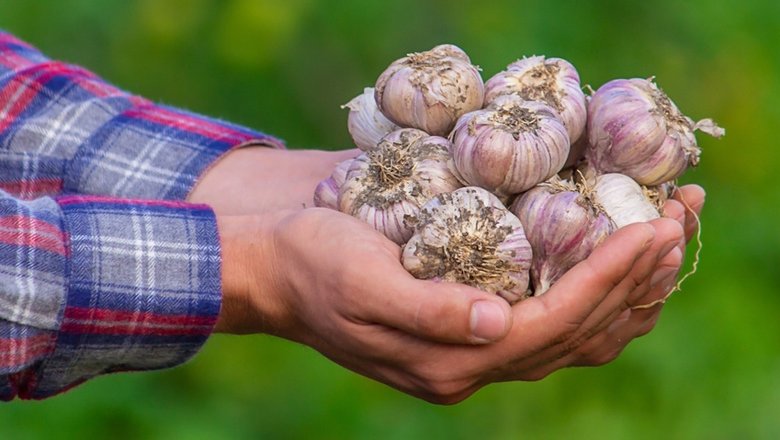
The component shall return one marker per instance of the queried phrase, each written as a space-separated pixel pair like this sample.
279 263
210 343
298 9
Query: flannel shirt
103 267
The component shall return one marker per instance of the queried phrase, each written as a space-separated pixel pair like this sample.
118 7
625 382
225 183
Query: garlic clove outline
624 200
386 186
553 81
635 129
326 194
430 90
564 224
468 236
366 124
510 146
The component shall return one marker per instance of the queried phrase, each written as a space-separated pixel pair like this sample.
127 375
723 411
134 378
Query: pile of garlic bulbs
506 185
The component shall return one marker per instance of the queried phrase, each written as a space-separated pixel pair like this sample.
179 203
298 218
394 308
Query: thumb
442 311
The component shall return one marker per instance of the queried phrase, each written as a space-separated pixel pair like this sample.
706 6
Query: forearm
261 180
96 285
65 130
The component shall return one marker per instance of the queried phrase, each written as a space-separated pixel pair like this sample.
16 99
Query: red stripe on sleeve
32 188
121 322
26 231
15 352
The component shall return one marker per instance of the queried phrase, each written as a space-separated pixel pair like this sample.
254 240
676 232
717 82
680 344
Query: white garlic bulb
553 81
430 90
326 194
386 186
636 130
366 124
564 224
624 200
510 146
468 236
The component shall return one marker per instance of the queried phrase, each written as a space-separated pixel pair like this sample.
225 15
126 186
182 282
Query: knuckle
442 386
574 341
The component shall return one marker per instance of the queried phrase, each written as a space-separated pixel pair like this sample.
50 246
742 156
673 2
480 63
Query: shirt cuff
154 152
144 289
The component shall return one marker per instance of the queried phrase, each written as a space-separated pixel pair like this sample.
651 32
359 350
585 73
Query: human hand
329 281
255 180
685 207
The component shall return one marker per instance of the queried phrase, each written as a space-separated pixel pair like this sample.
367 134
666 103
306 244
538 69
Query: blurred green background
711 369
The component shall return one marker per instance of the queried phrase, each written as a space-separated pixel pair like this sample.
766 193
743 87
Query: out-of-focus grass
709 370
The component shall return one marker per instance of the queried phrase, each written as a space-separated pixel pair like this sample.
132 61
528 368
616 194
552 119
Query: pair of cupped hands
327 280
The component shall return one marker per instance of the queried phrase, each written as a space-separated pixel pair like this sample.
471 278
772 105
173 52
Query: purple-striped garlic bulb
564 224
430 90
386 186
636 130
553 81
509 146
469 237
624 200
326 194
366 124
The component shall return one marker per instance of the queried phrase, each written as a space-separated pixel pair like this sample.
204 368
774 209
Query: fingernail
662 274
488 321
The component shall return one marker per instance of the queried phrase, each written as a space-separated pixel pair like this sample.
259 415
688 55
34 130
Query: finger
547 321
675 210
692 198
631 324
436 311
637 282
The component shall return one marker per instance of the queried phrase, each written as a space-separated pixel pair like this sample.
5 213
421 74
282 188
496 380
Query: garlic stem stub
386 186
636 130
430 90
366 124
469 237
326 194
624 200
510 146
553 81
564 224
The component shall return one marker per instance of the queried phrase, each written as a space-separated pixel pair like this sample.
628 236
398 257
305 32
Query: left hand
256 180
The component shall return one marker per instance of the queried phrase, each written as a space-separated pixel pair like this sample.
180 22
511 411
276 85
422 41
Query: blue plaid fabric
102 267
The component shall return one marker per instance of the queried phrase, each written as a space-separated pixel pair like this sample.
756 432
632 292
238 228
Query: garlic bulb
326 194
623 200
467 236
386 186
366 124
553 81
563 225
510 146
636 130
577 152
430 90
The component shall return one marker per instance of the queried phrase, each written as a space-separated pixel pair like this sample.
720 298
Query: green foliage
709 370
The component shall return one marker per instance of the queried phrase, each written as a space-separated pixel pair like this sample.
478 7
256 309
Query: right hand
329 281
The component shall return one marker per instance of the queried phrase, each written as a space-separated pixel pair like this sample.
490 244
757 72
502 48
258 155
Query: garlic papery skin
326 194
366 124
510 146
553 81
386 186
430 90
624 200
636 130
469 237
563 225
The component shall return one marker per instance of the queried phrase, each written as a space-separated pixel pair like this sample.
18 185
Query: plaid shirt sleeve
64 130
92 280
94 285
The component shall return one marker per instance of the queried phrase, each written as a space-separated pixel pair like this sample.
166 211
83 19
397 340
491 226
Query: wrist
250 288
259 180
